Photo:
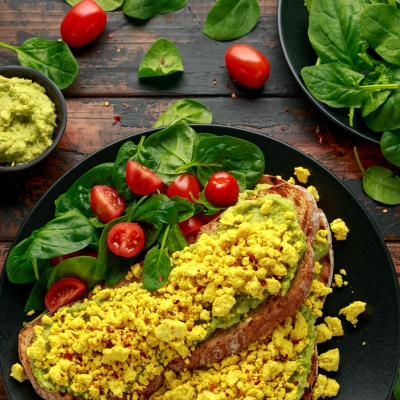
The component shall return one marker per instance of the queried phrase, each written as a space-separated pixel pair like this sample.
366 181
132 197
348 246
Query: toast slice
271 312
258 321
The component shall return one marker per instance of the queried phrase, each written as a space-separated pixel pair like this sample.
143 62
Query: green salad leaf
163 58
106 5
145 9
231 19
52 58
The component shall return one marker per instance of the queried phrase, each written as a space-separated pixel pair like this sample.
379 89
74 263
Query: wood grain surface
107 85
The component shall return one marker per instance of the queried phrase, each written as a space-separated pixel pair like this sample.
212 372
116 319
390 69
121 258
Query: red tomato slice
106 203
63 292
222 189
205 219
190 226
85 252
83 23
182 186
140 179
247 65
125 239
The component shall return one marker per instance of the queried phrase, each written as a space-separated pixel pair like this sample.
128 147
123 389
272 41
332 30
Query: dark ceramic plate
292 19
369 354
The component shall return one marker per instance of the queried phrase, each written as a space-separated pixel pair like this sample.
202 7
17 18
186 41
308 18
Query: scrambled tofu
261 371
331 327
325 387
352 311
339 228
122 338
18 372
302 174
314 192
329 360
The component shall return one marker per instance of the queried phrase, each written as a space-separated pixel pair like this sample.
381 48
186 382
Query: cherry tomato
125 239
222 189
247 65
106 203
161 189
84 252
183 185
190 226
205 219
83 23
63 292
140 179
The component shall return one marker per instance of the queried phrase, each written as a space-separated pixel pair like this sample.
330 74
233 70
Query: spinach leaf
175 239
81 268
231 19
65 234
390 146
208 208
157 209
226 153
387 116
338 86
396 389
335 33
19 269
175 147
380 183
187 111
78 195
146 156
106 5
334 84
52 58
185 208
36 297
151 232
144 9
163 58
380 24
156 269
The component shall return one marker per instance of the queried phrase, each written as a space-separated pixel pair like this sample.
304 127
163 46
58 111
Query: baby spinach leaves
145 9
52 58
380 24
226 153
390 146
156 268
163 58
231 19
187 111
335 32
380 183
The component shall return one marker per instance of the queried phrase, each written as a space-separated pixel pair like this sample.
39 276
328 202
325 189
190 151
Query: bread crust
259 322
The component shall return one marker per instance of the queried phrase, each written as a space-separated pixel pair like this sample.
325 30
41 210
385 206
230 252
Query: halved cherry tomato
140 179
63 292
106 203
183 185
125 239
83 23
222 189
247 65
190 226
84 252
205 219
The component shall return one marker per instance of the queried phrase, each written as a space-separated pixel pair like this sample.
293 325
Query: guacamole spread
27 120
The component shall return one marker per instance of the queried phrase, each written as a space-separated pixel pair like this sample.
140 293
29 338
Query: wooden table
108 76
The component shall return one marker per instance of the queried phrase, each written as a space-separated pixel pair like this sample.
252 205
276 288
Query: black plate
292 20
367 371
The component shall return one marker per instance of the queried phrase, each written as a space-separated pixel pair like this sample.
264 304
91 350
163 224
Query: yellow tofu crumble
339 228
302 174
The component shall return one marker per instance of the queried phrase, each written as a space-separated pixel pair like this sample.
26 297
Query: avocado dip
27 120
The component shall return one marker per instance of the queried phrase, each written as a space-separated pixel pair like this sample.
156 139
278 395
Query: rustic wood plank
110 65
91 126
